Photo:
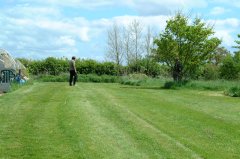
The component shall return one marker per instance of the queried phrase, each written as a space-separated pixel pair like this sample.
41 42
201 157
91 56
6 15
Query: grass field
53 120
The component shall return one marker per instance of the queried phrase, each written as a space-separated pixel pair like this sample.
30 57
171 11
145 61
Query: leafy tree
228 69
237 54
36 67
24 61
184 46
53 66
238 43
218 55
211 72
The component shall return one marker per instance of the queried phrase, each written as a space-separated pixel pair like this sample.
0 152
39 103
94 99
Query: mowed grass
53 120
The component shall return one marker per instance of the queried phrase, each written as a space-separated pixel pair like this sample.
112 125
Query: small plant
233 92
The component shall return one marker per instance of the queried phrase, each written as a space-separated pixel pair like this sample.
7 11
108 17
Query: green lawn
53 120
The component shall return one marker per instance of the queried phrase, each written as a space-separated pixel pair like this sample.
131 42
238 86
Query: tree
237 54
238 43
211 69
127 47
136 37
228 69
186 45
114 45
218 55
148 48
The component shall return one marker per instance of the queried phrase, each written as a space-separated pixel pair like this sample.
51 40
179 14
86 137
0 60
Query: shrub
233 92
228 69
81 78
211 72
174 84
134 79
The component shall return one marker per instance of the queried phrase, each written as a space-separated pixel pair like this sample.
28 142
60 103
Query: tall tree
148 45
238 43
136 37
114 45
184 46
127 47
237 54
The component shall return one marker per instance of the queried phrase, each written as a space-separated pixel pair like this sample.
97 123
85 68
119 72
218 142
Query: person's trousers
73 78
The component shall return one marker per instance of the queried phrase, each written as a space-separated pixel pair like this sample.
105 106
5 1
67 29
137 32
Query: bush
174 85
229 69
233 92
81 78
211 72
134 79
98 79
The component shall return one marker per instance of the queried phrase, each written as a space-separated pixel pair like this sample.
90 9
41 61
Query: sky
36 29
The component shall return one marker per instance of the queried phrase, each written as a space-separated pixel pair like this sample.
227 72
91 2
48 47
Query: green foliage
191 44
146 66
98 79
166 83
218 55
93 67
50 66
229 69
211 72
238 43
134 79
213 85
86 66
54 66
233 92
64 77
174 84
15 85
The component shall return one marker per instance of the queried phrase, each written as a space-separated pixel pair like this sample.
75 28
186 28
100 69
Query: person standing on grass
73 72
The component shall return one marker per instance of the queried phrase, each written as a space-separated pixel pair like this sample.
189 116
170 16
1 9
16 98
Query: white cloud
66 40
90 4
143 7
158 22
31 11
226 30
218 11
226 23
234 3
226 36
156 7
48 31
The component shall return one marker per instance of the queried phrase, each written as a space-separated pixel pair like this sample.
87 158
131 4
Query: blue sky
38 29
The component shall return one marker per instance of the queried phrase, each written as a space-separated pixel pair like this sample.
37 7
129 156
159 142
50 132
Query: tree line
56 66
187 49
